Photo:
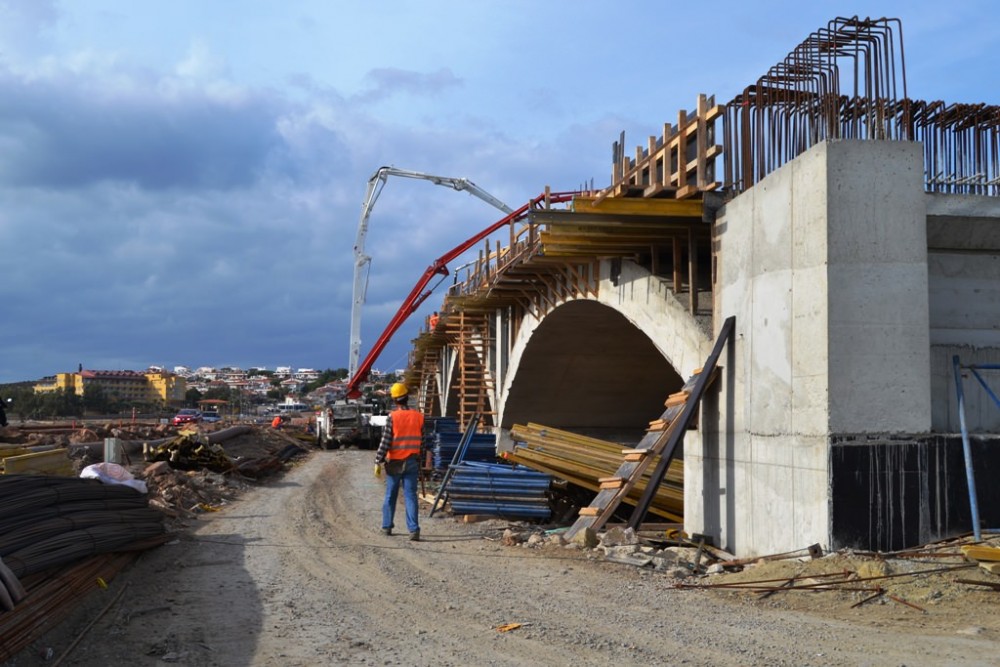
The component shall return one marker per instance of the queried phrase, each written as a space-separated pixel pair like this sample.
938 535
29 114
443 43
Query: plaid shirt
383 445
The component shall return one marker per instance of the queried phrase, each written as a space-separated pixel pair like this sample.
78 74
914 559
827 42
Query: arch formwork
601 364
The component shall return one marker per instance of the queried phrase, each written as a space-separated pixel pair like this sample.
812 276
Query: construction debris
189 452
60 535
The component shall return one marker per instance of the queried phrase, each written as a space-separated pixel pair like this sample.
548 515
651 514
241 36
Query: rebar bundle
848 81
961 146
48 522
843 81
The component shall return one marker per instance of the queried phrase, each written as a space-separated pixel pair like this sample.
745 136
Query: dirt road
297 573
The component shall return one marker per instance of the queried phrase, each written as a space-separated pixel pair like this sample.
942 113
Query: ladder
473 383
663 438
430 393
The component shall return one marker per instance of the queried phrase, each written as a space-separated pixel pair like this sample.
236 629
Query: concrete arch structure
833 420
601 365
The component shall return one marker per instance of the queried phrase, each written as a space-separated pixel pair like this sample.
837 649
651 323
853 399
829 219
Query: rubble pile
189 452
946 572
64 435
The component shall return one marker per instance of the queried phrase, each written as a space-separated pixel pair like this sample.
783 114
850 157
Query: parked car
210 417
187 416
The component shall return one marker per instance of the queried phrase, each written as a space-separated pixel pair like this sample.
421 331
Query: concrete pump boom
362 262
440 267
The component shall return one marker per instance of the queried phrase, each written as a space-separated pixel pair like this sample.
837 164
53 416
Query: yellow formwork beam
52 462
677 208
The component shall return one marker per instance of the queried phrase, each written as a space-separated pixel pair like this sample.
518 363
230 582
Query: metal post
967 450
463 444
112 450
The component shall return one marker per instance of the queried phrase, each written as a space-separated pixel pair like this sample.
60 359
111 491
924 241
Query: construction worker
277 421
432 324
399 453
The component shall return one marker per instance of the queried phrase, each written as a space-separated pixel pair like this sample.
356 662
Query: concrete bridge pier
824 264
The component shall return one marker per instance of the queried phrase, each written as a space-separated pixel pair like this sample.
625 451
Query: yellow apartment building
152 386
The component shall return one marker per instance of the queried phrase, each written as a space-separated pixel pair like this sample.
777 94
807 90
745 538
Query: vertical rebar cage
848 81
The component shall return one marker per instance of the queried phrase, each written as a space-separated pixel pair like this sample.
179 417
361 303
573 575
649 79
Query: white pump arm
362 262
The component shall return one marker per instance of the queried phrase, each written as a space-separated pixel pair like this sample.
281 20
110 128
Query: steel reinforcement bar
848 81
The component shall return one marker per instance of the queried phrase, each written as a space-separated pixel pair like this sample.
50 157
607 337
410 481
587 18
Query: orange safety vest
276 422
407 434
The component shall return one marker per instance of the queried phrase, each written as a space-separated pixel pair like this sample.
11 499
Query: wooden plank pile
591 463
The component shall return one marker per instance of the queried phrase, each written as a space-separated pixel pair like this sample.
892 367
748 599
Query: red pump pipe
440 266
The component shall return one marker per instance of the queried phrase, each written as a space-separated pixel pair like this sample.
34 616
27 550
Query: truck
349 424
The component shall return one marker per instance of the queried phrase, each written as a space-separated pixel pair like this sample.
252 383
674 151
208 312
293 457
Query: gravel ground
297 573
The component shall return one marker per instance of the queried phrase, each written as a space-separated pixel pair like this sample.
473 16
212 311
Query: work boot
415 536
387 531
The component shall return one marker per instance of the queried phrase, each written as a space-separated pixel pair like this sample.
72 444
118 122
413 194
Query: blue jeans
408 479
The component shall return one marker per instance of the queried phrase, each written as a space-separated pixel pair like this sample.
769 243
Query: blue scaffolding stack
482 447
496 489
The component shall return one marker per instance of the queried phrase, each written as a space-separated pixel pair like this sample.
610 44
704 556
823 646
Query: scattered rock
511 538
618 536
624 551
536 540
628 558
674 572
585 538
872 568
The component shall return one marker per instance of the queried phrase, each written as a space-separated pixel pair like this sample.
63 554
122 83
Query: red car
187 416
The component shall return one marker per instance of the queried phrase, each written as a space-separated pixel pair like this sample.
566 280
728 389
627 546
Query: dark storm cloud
66 133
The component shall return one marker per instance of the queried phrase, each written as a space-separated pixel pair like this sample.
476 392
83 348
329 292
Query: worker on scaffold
399 452
432 322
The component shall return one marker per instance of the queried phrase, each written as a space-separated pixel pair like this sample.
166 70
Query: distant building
151 386
292 385
328 393
259 384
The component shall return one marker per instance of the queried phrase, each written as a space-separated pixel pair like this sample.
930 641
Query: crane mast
362 261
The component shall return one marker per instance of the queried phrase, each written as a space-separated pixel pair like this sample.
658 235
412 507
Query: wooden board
55 461
980 552
676 399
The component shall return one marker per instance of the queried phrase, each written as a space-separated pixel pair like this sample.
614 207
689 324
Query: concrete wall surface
963 240
824 265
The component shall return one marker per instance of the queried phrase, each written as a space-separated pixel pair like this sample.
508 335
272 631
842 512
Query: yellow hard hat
398 390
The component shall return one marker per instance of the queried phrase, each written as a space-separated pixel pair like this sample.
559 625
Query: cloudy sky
181 180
